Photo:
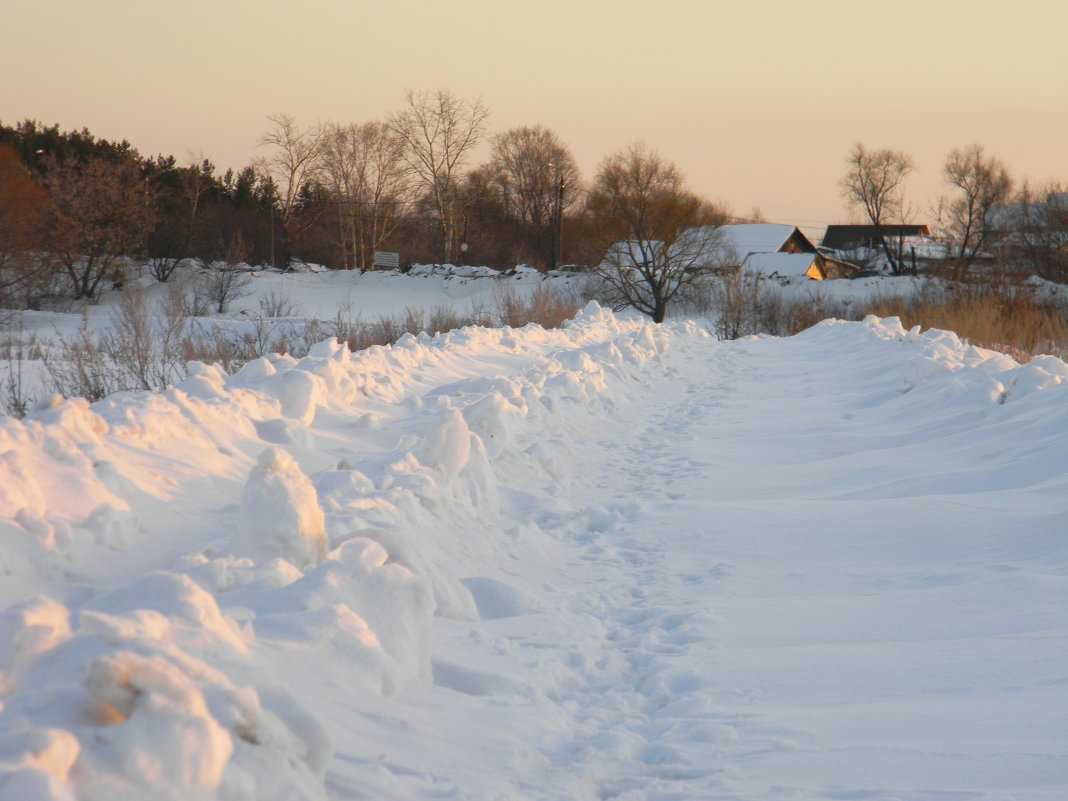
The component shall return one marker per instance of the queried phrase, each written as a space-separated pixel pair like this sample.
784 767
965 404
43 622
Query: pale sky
758 102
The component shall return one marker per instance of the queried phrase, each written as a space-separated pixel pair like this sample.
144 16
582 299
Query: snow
615 560
779 264
280 514
316 293
731 244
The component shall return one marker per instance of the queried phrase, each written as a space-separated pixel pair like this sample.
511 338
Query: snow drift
198 582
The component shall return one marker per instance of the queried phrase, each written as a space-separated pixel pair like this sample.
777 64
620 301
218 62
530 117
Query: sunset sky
758 102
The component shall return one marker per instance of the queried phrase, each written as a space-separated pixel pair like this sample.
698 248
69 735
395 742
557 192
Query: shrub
546 306
278 304
16 349
224 284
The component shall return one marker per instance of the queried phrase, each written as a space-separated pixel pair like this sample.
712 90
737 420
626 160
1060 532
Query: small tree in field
646 219
100 212
965 218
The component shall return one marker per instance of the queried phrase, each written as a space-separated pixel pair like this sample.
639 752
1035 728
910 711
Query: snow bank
178 568
171 683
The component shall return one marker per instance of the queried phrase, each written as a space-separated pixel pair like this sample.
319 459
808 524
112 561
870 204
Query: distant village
1017 234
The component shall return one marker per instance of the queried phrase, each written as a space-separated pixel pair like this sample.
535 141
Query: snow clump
280 514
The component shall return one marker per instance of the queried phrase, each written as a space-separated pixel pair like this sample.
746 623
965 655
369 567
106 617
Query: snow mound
280 514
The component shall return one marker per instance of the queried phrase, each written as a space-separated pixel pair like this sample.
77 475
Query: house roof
847 237
779 263
730 244
745 238
1009 216
923 246
748 238
717 245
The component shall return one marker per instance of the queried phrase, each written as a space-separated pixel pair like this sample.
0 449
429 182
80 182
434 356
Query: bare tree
222 284
363 169
439 130
290 164
873 183
982 183
661 238
101 213
536 176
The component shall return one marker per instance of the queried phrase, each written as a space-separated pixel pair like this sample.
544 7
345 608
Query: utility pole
560 221
556 219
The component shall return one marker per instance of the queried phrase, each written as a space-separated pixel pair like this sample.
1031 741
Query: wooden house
851 238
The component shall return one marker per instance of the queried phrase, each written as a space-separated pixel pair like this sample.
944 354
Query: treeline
75 209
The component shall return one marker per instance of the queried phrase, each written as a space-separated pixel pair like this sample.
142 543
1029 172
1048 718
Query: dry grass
1002 316
147 346
743 305
544 305
1007 319
231 347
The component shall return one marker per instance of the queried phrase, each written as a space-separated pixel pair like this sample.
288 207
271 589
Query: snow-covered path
750 606
806 627
829 567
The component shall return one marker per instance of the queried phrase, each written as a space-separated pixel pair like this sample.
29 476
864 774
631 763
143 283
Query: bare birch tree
290 164
982 183
363 168
439 130
873 183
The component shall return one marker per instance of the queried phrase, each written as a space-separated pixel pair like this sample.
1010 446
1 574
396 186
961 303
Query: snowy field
319 294
611 561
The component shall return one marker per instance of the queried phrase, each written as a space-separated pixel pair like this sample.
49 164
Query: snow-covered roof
732 243
923 246
748 238
779 263
852 237
713 245
1007 216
